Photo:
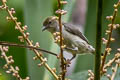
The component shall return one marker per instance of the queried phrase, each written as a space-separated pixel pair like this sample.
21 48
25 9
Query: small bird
75 41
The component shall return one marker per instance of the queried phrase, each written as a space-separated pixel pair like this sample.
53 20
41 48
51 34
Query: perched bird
75 41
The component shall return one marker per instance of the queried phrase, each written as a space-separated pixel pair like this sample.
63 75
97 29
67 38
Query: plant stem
26 46
98 40
61 43
109 37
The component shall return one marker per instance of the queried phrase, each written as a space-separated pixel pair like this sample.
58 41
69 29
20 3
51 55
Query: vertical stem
98 40
109 37
61 50
61 44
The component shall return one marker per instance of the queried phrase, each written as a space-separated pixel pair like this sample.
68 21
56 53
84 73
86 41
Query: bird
75 41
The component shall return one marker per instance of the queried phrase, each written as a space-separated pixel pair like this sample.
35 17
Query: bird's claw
68 62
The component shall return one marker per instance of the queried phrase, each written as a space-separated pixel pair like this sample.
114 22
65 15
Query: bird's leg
68 61
65 60
74 55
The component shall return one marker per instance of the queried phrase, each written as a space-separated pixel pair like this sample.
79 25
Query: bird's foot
68 61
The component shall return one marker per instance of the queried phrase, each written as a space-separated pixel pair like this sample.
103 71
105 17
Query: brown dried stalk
29 42
91 75
60 13
24 46
114 69
109 35
114 72
117 55
9 61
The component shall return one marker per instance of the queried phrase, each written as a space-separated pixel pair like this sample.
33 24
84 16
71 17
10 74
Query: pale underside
75 41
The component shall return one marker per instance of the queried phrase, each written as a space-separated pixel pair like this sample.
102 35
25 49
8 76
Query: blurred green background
33 13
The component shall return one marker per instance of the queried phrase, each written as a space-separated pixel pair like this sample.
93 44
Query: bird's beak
44 28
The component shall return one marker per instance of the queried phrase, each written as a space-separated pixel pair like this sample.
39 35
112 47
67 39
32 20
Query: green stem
98 40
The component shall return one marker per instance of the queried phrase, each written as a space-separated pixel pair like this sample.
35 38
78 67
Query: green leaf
52 61
69 8
85 62
35 13
5 76
79 76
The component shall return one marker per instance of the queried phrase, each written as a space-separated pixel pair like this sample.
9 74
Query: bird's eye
50 22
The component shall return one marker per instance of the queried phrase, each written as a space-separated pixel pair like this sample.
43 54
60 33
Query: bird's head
50 24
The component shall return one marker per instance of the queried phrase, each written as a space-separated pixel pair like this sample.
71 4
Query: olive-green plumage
75 41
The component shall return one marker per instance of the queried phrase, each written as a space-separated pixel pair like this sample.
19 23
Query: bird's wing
75 30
